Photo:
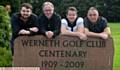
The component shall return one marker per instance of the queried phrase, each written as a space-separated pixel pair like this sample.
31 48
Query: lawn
115 29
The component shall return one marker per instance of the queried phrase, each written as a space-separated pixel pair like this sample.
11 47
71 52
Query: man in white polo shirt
72 24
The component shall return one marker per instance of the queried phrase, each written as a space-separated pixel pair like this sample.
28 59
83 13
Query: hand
24 32
82 36
103 35
34 29
49 34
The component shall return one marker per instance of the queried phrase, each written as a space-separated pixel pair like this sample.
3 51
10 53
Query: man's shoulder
34 15
86 21
55 15
79 19
64 21
41 16
16 15
102 20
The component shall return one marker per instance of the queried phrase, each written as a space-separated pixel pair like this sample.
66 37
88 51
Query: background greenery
115 27
107 8
5 30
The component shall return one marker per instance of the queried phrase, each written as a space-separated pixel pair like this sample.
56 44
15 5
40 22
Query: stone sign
63 53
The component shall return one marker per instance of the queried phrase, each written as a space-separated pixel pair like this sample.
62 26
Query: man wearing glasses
49 21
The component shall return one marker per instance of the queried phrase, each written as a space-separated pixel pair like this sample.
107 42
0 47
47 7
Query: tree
107 8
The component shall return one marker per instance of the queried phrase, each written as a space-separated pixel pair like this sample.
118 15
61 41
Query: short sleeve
64 22
105 21
86 23
79 22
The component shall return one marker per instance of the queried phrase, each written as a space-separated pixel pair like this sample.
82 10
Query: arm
64 31
42 25
102 35
15 26
80 25
81 29
107 31
57 26
89 33
34 29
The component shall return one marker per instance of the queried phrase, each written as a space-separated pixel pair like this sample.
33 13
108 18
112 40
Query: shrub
5 53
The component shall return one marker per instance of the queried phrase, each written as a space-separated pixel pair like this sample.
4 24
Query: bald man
96 25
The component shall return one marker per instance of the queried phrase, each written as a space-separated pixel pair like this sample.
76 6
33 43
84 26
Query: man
49 21
96 25
23 23
72 24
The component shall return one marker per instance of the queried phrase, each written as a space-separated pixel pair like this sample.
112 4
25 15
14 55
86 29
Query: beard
25 16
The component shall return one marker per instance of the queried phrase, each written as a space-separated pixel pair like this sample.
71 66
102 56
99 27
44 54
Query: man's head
93 14
71 14
26 10
48 9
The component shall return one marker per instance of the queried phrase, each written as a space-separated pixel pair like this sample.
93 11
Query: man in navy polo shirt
96 25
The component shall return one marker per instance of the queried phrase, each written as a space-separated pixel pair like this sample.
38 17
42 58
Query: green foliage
5 30
5 57
116 37
107 8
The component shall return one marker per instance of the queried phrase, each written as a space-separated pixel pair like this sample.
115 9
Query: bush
5 52
5 57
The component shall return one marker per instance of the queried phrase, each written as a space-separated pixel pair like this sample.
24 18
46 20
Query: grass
115 29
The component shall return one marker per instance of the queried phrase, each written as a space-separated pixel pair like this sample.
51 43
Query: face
48 11
71 15
93 16
25 12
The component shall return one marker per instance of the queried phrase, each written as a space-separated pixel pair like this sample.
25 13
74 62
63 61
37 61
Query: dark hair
72 9
27 5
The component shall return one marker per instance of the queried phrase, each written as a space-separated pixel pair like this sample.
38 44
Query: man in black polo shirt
23 23
49 21
96 25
